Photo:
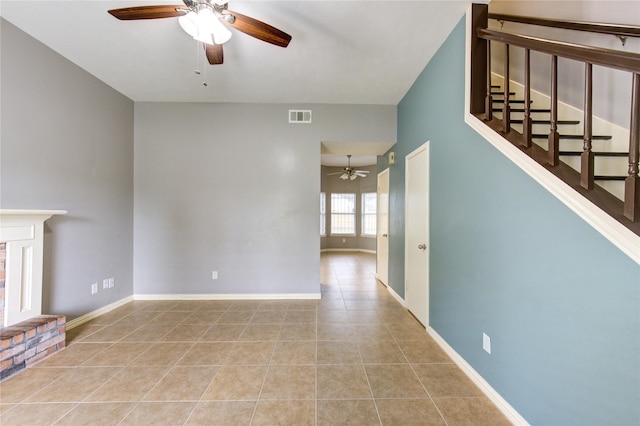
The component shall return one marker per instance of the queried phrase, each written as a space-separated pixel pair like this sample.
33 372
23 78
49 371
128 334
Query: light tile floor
354 357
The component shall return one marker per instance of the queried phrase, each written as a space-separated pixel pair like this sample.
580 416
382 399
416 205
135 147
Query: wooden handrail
621 60
592 27
627 212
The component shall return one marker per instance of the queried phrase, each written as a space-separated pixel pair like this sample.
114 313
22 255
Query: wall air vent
300 116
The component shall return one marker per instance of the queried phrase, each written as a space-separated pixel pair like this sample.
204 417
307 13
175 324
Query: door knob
422 246
384 235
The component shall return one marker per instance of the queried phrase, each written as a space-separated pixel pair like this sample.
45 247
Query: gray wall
559 301
67 143
232 188
333 184
235 188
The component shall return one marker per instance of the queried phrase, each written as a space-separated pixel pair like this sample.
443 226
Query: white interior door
382 233
417 233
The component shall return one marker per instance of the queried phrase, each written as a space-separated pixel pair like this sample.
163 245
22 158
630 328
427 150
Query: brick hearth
30 341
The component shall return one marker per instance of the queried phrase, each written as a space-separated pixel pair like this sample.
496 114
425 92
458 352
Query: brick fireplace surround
30 341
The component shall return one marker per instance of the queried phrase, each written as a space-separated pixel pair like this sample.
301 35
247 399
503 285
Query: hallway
354 357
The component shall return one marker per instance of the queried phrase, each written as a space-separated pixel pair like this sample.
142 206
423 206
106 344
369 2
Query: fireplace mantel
23 233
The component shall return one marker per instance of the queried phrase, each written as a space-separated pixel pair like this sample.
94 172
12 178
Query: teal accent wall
560 303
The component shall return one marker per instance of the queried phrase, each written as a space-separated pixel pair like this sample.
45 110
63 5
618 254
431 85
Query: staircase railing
626 212
591 27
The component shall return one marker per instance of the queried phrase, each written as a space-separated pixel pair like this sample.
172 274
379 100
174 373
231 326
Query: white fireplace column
23 232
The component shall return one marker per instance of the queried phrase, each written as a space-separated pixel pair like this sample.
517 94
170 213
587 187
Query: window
323 213
369 206
343 213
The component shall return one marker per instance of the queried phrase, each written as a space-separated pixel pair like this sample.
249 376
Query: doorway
417 233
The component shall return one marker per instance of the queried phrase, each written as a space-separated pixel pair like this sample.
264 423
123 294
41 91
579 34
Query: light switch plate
486 343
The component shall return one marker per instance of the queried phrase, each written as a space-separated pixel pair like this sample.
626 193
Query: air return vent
299 116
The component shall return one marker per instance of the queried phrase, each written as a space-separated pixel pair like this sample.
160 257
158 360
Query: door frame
378 277
424 147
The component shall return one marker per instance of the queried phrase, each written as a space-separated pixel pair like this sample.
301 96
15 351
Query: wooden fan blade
214 52
258 29
148 12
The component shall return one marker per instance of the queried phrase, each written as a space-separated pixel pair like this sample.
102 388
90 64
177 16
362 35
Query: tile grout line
264 379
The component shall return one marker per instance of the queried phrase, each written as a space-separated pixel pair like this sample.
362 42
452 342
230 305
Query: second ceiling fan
206 21
350 173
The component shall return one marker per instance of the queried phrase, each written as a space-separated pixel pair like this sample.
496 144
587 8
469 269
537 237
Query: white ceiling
344 52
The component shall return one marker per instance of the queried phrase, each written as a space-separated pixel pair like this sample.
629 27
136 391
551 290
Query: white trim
425 147
382 226
396 296
229 296
510 413
40 215
100 311
348 249
611 229
23 233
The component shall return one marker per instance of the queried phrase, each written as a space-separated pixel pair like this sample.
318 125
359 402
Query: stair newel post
480 63
554 138
586 158
506 109
526 122
632 182
488 103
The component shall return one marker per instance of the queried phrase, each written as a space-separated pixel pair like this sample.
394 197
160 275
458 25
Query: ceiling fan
349 172
205 21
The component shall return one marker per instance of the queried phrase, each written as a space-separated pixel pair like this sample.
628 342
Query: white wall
235 188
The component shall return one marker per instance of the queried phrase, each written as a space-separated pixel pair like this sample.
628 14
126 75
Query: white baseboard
213 296
348 249
94 314
510 413
396 296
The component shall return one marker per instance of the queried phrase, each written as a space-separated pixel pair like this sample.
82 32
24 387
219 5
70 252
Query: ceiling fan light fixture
350 173
220 33
189 23
206 19
204 26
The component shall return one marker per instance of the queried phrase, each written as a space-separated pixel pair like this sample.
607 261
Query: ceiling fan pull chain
204 65
198 50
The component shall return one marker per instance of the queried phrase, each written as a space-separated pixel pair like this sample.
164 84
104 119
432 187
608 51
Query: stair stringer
619 235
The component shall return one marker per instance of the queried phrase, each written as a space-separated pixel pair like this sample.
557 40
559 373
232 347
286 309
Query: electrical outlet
112 282
94 288
105 284
486 343
214 275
